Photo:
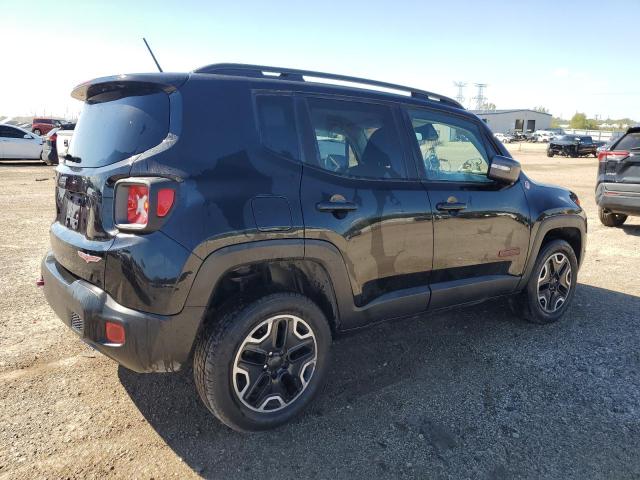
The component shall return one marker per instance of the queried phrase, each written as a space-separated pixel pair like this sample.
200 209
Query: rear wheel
610 219
260 363
549 153
551 285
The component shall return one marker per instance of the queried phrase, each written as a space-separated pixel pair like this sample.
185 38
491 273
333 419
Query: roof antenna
152 55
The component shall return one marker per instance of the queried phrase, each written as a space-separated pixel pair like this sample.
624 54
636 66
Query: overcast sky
566 56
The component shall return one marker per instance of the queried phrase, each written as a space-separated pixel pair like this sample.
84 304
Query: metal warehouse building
503 121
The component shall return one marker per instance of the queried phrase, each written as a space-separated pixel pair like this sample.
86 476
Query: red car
41 126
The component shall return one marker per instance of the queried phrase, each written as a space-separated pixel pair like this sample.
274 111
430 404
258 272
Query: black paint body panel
238 203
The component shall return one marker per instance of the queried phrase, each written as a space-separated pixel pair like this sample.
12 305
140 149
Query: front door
481 228
360 193
14 144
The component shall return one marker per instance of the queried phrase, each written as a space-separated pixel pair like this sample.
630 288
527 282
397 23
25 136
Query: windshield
109 132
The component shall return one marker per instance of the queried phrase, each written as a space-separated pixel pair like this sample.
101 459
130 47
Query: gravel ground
471 393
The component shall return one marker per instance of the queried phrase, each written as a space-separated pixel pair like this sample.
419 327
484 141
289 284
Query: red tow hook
40 282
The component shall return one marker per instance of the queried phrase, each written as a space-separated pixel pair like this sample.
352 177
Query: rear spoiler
118 86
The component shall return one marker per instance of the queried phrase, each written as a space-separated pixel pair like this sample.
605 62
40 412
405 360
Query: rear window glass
111 131
631 141
278 124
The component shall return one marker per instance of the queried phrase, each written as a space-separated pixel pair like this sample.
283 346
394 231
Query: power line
480 99
460 86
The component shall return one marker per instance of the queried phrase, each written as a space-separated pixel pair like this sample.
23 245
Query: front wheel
610 219
549 153
258 364
551 285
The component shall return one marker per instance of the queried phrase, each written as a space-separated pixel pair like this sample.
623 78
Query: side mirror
26 135
504 170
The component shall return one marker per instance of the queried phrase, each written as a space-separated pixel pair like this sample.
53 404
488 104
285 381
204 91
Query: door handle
334 206
451 206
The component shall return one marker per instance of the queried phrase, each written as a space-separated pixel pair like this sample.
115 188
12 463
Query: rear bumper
154 343
619 197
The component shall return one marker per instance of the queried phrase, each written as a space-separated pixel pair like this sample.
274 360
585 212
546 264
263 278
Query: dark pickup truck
573 146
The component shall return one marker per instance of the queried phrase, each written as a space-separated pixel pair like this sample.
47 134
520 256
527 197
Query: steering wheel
334 163
473 165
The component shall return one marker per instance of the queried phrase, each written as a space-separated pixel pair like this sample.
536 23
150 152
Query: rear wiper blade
71 158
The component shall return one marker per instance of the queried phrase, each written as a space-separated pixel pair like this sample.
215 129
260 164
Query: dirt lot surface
472 393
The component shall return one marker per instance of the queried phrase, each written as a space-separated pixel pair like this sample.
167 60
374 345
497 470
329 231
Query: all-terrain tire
527 304
217 348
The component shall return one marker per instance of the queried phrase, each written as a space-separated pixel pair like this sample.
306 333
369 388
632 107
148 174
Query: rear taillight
137 204
142 204
165 201
612 155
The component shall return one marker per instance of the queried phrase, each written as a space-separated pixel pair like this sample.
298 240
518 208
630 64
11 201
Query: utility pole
460 96
480 99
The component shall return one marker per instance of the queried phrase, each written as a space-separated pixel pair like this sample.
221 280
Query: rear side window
356 139
9 132
631 141
277 124
111 131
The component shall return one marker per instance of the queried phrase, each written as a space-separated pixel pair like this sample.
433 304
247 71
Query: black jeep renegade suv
241 216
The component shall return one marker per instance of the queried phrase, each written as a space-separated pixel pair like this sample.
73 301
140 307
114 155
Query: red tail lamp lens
114 332
165 201
612 155
138 204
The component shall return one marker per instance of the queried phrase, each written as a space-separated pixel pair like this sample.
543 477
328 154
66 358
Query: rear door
113 129
481 232
360 193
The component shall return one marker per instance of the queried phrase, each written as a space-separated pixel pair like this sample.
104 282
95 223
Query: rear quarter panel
224 172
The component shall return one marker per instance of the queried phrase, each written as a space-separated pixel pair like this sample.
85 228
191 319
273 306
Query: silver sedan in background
19 144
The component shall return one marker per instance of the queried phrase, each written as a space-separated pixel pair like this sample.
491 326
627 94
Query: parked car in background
50 150
19 144
505 137
556 132
308 211
543 136
572 146
63 140
618 182
518 136
42 126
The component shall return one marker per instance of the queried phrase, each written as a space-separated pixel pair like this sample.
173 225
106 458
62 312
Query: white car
19 144
504 137
543 136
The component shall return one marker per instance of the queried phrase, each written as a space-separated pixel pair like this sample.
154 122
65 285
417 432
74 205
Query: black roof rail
262 71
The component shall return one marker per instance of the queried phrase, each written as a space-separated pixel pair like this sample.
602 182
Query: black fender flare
225 259
540 230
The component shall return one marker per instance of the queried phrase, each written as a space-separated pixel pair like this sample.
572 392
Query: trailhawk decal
88 258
